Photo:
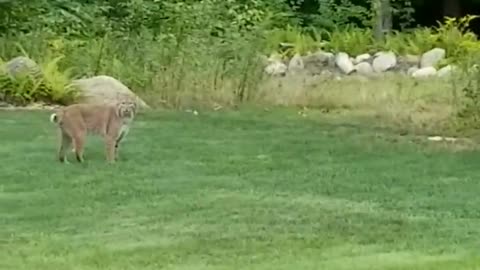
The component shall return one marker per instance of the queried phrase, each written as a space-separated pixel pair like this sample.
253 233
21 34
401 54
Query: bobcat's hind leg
64 144
78 145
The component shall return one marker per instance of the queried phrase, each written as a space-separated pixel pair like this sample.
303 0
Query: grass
237 190
421 105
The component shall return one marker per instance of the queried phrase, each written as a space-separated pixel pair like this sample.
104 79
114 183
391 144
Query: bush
299 41
452 35
51 87
351 40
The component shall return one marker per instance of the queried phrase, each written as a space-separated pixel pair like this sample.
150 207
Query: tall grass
173 72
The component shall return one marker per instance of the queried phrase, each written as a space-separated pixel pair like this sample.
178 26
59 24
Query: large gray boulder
432 57
317 62
296 64
446 71
343 62
406 62
362 58
364 68
424 72
412 59
384 61
276 68
412 70
21 66
105 89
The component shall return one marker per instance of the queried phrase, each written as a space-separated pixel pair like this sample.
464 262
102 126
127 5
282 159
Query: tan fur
75 122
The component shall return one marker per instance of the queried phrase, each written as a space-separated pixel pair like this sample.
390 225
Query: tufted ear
134 106
119 109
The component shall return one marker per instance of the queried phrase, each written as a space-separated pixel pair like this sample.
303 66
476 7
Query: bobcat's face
126 109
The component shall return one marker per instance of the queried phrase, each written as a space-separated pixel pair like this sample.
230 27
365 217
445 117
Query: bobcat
75 122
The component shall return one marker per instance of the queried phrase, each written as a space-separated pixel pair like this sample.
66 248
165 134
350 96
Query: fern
54 86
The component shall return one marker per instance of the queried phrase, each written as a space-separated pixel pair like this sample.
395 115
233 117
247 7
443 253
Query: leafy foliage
52 86
352 40
297 40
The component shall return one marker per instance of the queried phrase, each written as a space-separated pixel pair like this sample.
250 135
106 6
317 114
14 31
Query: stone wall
319 63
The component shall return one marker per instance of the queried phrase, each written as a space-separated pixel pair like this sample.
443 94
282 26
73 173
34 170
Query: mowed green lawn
236 191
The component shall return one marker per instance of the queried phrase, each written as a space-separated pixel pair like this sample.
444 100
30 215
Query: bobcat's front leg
122 133
110 149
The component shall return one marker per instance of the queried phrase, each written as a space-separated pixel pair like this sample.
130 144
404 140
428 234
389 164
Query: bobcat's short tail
54 118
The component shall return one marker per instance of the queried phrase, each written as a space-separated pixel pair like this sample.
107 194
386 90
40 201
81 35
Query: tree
383 17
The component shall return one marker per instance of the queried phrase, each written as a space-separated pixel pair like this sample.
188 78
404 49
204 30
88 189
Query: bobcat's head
126 109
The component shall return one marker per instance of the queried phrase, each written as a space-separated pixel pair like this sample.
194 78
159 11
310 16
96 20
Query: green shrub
452 35
351 40
413 42
300 42
52 86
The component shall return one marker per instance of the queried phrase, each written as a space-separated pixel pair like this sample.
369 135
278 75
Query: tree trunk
383 18
387 16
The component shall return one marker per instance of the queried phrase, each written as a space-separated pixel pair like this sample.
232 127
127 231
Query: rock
424 72
275 57
321 57
384 61
362 58
342 60
445 71
296 63
412 70
327 57
412 60
435 138
276 68
432 57
364 68
405 62
4 104
441 138
22 65
317 62
450 139
327 74
105 89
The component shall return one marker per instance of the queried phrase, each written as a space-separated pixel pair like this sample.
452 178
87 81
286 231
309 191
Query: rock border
415 66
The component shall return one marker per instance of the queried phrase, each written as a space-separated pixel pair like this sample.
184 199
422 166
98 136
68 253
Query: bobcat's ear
118 111
119 108
134 106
